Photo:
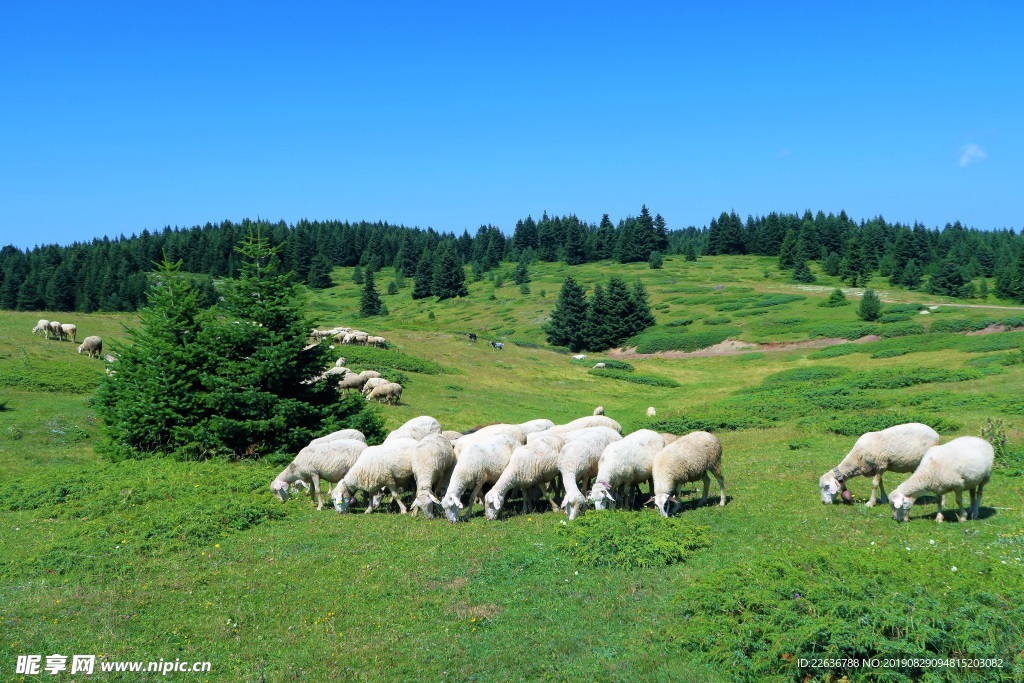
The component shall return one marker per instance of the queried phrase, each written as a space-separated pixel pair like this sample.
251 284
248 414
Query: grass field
197 561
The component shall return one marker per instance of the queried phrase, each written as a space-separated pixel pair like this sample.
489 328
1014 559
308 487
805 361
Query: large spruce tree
568 323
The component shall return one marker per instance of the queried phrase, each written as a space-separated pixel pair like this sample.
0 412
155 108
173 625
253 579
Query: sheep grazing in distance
651 412
534 464
351 381
69 330
896 449
44 326
625 463
964 463
93 346
327 460
599 410
577 463
417 428
588 421
380 342
372 384
369 374
481 462
390 393
579 356
340 363
433 460
56 330
687 459
387 466
599 366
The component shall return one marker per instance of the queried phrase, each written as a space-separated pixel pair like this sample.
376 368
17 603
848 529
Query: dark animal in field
472 337
498 345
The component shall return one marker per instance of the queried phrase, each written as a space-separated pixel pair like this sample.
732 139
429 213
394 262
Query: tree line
110 274
605 319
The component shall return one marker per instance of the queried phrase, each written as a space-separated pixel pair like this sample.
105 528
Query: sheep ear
459 503
609 494
565 501
649 501
434 499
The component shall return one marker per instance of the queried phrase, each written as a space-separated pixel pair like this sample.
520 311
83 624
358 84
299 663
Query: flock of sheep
963 464
537 458
61 331
369 382
449 470
348 335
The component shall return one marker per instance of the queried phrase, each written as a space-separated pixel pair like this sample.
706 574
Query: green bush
895 318
731 306
835 299
889 353
904 308
835 351
370 358
961 325
631 540
857 424
849 331
626 376
662 340
902 330
776 300
747 314
809 374
708 419
720 320
680 323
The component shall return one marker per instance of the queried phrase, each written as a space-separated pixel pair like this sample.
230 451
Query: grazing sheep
481 462
417 428
588 421
580 356
351 381
599 410
472 336
369 374
433 460
651 412
625 463
896 449
669 438
372 384
387 466
535 464
69 330
599 366
340 363
110 358
390 393
964 463
577 463
56 330
687 459
380 342
516 432
93 346
359 337
327 460
338 435
498 345
451 435
335 371
536 425
347 338
44 326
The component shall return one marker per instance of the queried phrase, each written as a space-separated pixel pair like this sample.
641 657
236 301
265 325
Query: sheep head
572 503
901 505
425 500
661 501
452 507
341 496
280 489
600 496
829 487
492 504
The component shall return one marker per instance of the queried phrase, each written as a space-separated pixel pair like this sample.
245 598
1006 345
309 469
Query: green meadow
198 561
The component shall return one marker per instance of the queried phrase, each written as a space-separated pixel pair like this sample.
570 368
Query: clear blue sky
119 117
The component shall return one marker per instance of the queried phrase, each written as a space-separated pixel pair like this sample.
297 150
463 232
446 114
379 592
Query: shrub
708 419
844 330
680 323
902 330
836 298
895 318
721 320
870 307
369 357
626 376
654 261
731 306
857 424
811 374
889 353
663 340
776 300
631 540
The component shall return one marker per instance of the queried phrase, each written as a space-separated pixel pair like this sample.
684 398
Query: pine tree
787 252
690 250
855 267
947 278
521 275
369 303
912 275
831 265
399 278
620 305
392 288
640 317
802 273
320 273
983 289
836 298
870 306
449 278
357 275
423 281
598 333
655 260
567 326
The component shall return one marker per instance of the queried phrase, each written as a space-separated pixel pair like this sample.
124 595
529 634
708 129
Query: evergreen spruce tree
521 275
831 265
983 289
855 267
947 278
598 333
320 273
449 278
836 298
567 326
357 275
787 252
640 317
369 303
912 275
690 250
870 306
620 304
392 288
423 281
802 273
399 278
655 260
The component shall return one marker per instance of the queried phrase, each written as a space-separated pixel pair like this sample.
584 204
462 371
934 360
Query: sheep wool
687 459
480 462
416 428
624 463
964 463
433 460
329 460
577 463
534 464
387 466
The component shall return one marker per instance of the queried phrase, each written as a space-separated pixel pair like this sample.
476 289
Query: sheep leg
707 485
938 517
960 506
721 489
397 499
977 502
315 491
883 499
476 492
876 481
551 499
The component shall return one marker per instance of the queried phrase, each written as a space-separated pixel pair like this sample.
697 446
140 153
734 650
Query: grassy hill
155 559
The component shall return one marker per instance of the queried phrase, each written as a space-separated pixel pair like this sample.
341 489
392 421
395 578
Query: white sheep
964 463
351 381
624 463
390 393
651 412
417 428
56 330
372 384
479 463
69 330
536 425
340 363
433 460
588 421
451 435
379 468
577 463
515 432
93 346
896 449
377 341
580 356
599 366
44 327
534 464
327 460
687 459
338 435
599 410
369 374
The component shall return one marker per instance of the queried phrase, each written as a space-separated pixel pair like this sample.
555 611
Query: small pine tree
654 261
836 298
370 302
319 276
912 275
870 306
478 271
640 317
392 287
521 275
357 275
983 289
449 278
832 264
690 250
802 273
524 288
399 278
423 281
499 281
788 250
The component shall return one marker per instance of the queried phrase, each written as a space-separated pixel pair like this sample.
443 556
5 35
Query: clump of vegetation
631 540
628 376
664 340
371 357
870 307
605 320
719 320
890 353
857 424
836 298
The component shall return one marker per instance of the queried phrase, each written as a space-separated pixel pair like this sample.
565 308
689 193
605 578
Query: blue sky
119 117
